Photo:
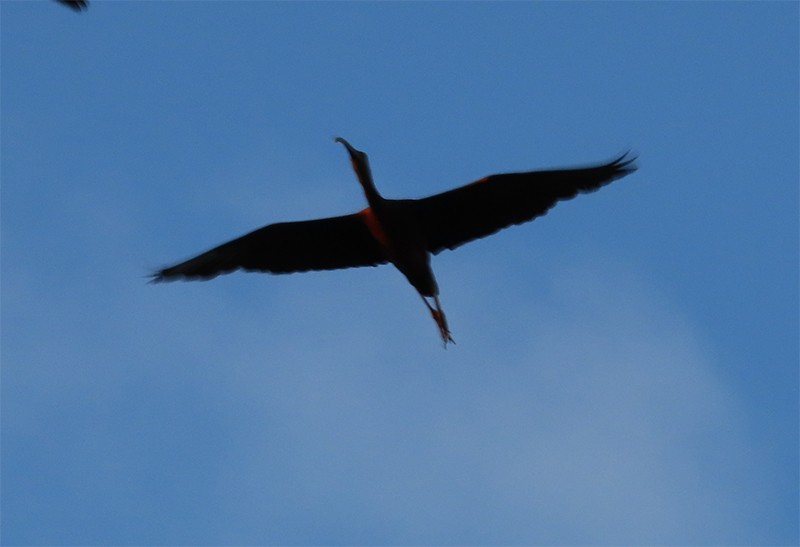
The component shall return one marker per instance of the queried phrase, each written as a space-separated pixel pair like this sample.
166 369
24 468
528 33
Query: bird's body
404 232
401 241
403 244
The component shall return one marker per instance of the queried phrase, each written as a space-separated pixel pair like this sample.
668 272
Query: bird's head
359 161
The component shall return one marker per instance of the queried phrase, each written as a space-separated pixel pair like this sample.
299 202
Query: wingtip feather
156 277
626 163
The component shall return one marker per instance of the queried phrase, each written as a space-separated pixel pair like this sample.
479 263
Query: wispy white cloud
608 425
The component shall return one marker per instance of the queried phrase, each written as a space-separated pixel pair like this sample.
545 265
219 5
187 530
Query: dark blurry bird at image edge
77 5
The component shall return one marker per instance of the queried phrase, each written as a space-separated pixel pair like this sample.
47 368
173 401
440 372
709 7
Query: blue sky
626 368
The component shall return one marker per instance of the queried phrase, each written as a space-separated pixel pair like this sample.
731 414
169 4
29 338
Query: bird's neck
365 178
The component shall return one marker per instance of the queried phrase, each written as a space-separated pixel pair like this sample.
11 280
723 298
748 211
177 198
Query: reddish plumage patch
374 226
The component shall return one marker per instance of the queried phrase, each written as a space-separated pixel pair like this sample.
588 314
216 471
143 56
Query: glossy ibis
401 231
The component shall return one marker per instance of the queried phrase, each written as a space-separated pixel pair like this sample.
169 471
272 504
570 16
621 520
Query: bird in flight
404 232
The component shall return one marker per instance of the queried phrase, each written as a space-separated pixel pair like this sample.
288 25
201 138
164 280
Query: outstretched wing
323 244
485 206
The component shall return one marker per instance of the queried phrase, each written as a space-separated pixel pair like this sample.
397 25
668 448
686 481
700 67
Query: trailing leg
441 321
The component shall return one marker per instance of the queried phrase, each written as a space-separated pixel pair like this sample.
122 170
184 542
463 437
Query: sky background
626 368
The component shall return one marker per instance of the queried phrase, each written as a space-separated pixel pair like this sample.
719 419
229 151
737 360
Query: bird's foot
441 322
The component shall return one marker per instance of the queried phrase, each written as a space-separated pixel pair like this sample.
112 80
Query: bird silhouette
404 232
